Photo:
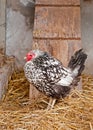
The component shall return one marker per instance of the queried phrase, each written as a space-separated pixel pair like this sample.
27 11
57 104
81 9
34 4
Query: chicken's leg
51 103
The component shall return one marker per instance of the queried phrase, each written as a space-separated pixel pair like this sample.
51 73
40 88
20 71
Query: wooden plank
2 39
2 11
57 2
2 25
57 22
61 49
6 72
2 60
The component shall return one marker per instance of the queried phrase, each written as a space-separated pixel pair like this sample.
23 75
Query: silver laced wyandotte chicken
49 75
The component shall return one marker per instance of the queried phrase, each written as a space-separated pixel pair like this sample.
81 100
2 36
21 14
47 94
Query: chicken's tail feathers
77 61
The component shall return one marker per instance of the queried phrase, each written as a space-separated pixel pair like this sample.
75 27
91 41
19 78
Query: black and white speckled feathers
48 75
45 73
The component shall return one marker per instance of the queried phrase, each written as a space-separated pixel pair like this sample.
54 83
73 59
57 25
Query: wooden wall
2 25
57 27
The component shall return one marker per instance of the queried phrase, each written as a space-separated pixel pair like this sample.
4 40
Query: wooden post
6 64
2 26
57 27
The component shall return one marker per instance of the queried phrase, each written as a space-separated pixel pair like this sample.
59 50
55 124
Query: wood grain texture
61 49
57 2
2 25
33 93
6 72
57 22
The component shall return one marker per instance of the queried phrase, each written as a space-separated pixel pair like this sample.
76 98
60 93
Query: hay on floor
75 112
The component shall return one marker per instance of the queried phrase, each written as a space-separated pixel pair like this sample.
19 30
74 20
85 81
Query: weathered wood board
6 71
2 25
57 22
58 2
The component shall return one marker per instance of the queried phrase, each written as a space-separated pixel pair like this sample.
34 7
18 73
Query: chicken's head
33 54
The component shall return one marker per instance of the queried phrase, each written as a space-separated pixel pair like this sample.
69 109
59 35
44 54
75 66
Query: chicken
49 75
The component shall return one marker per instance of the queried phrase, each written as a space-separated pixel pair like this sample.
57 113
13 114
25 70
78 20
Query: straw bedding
75 112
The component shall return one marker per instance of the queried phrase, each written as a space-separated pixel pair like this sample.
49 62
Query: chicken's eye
30 55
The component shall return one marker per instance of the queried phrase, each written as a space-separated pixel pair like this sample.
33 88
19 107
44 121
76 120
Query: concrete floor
87 32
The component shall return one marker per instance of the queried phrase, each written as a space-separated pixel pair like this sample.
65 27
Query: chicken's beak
24 58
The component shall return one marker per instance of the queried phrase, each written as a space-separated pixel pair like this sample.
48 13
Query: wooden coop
59 27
